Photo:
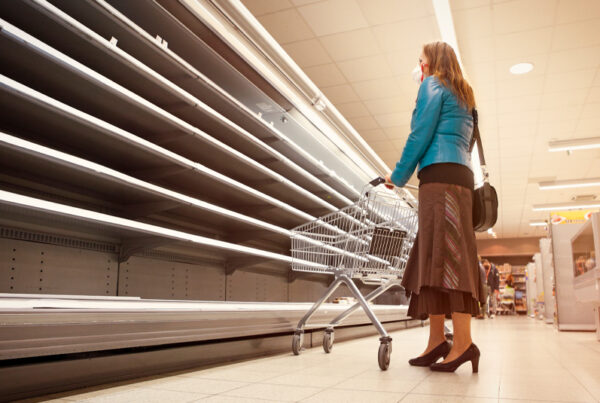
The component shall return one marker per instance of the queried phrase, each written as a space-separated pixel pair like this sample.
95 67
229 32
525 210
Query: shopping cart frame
341 276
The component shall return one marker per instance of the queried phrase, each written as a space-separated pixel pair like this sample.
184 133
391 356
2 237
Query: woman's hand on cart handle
380 180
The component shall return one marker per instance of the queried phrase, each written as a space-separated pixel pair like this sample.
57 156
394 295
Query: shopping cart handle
377 181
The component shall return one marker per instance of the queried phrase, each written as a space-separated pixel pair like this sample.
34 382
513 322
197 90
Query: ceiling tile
577 35
325 75
517 119
340 93
481 73
399 144
520 86
463 4
302 2
333 16
574 59
565 98
387 11
557 129
473 22
373 135
597 79
390 105
512 136
523 103
559 114
402 64
307 53
383 147
397 132
353 109
565 81
362 42
363 123
523 44
260 7
286 26
485 91
594 95
476 49
577 10
589 125
367 68
393 119
381 88
409 35
523 15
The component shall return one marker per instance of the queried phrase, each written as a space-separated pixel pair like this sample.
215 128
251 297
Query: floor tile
353 396
383 385
306 380
522 360
549 391
238 374
146 396
280 393
198 385
231 399
415 397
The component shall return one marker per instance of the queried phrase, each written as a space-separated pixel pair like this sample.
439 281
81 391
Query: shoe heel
475 364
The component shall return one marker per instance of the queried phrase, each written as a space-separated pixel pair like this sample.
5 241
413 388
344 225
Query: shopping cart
369 240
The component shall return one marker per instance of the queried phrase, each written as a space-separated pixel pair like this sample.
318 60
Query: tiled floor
522 360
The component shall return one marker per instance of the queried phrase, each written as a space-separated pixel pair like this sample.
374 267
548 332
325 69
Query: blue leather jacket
441 131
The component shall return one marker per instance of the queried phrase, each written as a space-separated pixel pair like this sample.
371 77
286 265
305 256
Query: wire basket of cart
369 240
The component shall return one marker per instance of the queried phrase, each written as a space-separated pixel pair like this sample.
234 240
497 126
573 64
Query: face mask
417 74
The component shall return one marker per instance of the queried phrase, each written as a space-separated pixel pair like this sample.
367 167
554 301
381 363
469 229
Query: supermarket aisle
522 360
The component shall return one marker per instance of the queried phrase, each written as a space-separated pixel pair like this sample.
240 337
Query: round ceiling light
521 68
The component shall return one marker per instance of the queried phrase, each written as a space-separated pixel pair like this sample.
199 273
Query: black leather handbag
485 198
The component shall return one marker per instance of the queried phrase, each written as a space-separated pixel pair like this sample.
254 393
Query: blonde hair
443 64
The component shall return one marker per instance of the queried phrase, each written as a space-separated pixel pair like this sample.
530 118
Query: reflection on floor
522 360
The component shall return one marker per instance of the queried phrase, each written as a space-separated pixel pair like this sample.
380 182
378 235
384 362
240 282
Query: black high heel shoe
471 354
440 351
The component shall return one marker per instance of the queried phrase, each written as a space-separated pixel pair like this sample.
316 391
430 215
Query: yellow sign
571 216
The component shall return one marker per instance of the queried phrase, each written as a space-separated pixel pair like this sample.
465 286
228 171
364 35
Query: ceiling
361 52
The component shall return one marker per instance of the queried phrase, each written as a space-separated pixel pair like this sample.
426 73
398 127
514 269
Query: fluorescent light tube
575 144
573 183
567 206
538 223
443 15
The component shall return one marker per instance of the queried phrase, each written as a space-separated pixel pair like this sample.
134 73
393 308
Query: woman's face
424 63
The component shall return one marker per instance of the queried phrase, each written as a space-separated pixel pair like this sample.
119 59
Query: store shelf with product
513 299
586 246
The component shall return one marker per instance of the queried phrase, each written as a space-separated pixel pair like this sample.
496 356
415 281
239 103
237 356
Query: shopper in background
508 295
492 279
483 306
442 273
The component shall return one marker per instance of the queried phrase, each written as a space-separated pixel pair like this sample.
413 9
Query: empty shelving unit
149 177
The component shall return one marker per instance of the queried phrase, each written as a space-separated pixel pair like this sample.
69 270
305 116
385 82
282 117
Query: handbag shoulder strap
477 138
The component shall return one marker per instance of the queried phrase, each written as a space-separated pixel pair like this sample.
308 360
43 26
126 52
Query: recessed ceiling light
521 68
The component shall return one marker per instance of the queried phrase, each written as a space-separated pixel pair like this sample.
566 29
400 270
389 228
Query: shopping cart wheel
297 343
385 351
328 341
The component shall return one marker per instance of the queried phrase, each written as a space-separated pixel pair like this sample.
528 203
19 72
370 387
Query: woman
442 273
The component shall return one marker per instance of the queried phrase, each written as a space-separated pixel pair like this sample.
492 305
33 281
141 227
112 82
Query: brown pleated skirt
442 274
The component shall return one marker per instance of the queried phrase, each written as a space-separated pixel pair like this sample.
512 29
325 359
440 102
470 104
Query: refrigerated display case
586 271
